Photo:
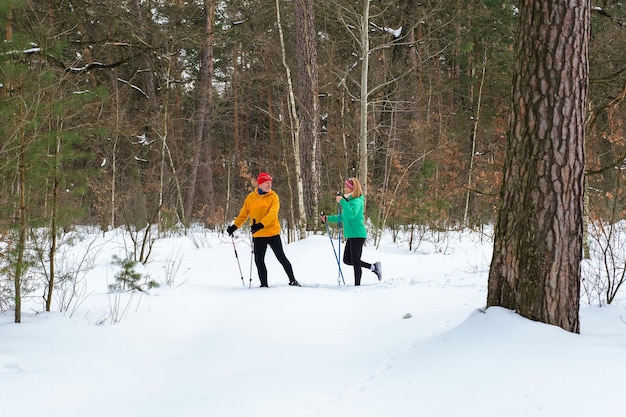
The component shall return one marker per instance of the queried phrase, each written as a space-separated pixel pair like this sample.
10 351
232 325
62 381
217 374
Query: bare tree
202 143
21 245
295 125
362 40
365 53
537 253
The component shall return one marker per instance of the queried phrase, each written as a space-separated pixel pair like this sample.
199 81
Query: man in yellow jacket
262 206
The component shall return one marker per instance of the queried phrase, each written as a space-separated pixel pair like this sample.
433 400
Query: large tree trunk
201 148
208 192
308 104
537 252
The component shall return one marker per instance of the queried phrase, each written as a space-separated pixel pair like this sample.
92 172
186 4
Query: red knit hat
263 177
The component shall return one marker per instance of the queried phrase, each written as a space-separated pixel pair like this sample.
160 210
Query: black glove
231 229
256 227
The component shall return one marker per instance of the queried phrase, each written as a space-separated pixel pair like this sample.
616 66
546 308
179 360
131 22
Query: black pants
260 247
352 256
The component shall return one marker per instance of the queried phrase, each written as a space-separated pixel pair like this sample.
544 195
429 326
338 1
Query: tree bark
535 268
308 104
202 145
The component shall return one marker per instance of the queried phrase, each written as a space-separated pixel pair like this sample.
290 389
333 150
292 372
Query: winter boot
378 270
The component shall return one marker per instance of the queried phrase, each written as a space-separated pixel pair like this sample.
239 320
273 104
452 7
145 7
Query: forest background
161 113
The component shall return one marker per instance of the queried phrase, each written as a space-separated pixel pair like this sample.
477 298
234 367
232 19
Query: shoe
294 283
378 270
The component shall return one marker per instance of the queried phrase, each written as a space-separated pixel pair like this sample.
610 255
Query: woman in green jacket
353 228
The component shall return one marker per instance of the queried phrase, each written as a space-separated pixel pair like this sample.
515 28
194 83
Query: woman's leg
347 255
277 247
352 256
354 247
260 247
375 268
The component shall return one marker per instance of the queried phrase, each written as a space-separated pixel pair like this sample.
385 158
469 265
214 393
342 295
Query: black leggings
352 256
260 247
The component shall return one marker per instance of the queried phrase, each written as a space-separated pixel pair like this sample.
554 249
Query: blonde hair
357 191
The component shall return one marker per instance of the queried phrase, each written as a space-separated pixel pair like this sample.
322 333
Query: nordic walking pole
238 263
334 251
251 255
339 239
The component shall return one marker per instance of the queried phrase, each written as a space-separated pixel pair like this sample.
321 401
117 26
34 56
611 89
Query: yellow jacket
264 209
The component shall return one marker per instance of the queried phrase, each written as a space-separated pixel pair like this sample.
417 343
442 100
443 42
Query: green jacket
352 217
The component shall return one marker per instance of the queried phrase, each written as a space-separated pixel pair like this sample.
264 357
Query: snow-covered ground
204 344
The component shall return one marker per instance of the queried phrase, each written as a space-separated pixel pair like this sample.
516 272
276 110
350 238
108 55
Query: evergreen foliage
128 278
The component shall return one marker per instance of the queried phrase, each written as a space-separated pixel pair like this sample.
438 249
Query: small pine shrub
128 279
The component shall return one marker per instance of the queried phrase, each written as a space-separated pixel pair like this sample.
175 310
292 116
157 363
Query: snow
417 343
